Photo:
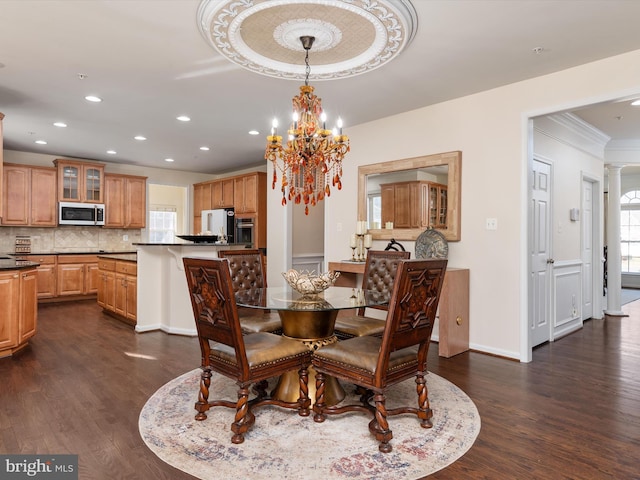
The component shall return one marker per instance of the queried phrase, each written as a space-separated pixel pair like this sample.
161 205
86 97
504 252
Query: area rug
283 445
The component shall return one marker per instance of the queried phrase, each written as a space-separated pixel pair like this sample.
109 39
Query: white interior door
587 249
541 261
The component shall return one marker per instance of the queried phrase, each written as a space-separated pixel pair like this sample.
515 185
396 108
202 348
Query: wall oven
74 213
245 231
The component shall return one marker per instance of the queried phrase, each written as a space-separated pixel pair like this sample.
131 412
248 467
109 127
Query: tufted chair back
380 271
246 267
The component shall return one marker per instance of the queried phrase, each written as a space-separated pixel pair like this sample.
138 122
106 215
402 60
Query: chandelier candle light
311 161
360 242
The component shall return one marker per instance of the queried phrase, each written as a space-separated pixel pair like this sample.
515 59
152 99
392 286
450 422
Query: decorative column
614 258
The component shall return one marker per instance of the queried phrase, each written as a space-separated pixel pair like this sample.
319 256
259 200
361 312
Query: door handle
550 260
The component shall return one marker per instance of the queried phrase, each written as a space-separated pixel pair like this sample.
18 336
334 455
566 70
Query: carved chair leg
424 410
379 425
244 418
304 402
202 405
319 406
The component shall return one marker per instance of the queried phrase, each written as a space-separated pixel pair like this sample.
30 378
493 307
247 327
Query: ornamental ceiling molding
352 36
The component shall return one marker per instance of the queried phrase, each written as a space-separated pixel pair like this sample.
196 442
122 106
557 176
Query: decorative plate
431 244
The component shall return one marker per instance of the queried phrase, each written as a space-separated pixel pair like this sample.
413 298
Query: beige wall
492 131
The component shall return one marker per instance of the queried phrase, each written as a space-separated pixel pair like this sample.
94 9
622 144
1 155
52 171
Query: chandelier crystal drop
311 161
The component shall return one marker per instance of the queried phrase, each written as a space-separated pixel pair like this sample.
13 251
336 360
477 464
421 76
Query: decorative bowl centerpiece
307 283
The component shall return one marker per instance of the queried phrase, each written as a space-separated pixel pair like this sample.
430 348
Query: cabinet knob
458 320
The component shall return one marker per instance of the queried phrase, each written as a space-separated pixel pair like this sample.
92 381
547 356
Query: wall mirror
402 198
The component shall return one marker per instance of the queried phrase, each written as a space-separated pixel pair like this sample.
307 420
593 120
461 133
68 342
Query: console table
453 309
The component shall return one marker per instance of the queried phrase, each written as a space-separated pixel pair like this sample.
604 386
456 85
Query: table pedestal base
288 388
314 328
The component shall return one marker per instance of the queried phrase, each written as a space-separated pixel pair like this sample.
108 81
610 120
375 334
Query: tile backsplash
70 239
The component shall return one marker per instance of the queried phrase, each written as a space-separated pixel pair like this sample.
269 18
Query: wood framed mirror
400 199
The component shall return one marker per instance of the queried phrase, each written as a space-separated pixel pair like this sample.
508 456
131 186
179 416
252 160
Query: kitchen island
163 297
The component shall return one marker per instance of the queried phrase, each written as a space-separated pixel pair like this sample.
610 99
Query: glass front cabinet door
80 181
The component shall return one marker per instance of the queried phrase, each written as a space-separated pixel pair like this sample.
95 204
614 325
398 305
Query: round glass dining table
309 319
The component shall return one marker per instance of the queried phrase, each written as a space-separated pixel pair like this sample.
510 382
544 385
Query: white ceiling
149 62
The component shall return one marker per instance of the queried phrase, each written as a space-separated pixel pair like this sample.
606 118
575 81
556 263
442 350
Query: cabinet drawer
108 265
129 268
77 259
41 259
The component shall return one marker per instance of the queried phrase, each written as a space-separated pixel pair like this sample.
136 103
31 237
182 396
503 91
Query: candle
367 241
358 228
274 127
323 117
354 242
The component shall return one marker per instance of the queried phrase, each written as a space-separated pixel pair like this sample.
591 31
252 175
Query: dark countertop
194 244
129 257
13 264
79 252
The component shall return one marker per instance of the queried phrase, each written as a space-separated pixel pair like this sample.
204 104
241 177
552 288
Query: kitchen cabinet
77 275
80 181
247 194
414 204
18 309
29 196
125 201
222 193
118 288
201 201
107 284
126 290
47 274
249 190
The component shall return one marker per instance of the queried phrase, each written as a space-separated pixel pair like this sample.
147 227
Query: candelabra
360 242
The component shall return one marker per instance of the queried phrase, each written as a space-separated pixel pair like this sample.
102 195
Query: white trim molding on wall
567 298
311 262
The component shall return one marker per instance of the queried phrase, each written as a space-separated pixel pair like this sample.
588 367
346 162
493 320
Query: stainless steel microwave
73 213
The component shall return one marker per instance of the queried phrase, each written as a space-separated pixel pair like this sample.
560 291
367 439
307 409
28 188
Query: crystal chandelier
311 162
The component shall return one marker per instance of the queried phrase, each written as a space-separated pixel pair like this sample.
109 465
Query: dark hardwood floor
573 413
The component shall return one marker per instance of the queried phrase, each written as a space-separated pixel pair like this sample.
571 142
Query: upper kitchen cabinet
222 195
125 201
29 196
80 181
248 191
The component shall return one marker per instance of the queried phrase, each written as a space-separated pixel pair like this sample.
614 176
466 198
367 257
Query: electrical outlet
492 223
125 238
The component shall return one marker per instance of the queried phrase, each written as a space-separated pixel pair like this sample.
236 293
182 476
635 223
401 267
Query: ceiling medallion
352 36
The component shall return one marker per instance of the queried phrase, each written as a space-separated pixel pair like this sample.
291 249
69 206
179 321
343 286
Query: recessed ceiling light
40 142
635 103
111 152
93 98
60 124
206 149
168 159
140 137
183 118
254 132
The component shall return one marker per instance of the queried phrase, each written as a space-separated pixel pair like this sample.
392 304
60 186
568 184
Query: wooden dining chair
248 271
375 364
246 358
379 272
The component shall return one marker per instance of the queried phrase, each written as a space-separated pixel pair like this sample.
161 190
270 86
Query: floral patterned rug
283 445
